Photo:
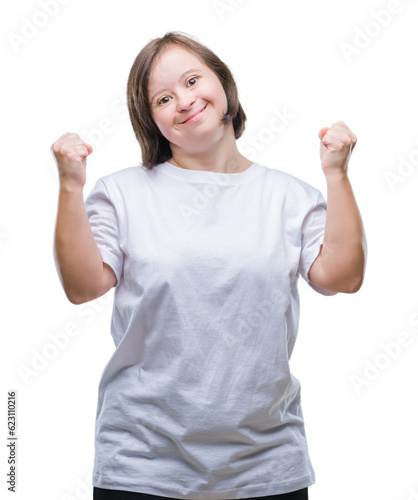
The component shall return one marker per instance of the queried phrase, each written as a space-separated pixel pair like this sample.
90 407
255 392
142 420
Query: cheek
225 104
160 120
164 122
223 99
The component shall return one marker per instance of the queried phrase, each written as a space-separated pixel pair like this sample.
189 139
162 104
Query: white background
66 71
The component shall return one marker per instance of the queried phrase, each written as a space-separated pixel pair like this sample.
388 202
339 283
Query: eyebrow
180 79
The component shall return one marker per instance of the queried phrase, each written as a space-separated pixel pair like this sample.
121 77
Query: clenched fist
70 153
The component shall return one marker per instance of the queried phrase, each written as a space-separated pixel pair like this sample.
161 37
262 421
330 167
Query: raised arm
341 263
83 274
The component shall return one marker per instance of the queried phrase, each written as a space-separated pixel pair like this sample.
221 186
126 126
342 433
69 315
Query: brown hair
154 146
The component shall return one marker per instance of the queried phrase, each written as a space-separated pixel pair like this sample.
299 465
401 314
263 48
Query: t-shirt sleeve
103 220
313 231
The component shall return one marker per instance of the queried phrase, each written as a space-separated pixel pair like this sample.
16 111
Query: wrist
68 188
336 176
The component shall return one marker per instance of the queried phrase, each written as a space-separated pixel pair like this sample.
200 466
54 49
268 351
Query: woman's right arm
82 272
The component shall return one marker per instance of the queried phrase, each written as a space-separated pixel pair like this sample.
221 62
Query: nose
185 101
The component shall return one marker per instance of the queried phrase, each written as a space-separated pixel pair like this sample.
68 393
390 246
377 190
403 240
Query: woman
204 248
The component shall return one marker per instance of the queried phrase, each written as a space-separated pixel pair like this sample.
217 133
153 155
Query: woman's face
181 85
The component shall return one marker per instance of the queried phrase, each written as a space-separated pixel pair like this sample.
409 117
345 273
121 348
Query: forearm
345 247
80 265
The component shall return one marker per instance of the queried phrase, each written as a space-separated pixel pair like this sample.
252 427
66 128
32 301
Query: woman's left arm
341 263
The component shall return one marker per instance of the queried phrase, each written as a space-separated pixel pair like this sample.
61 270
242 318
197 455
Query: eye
193 78
166 97
159 102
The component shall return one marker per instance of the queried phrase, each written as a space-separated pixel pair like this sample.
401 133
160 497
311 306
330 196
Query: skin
205 144
341 263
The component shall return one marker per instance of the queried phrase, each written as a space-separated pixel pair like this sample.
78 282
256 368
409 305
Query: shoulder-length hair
154 146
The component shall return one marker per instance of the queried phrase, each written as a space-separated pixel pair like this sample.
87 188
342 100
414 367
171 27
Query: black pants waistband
105 494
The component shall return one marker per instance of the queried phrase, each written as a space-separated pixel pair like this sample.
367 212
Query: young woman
204 248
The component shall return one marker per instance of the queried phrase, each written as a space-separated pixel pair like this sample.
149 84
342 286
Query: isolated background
70 76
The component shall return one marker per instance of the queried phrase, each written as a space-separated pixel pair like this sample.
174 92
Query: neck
221 157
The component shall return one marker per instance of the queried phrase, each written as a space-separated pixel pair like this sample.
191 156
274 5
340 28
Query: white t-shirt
197 400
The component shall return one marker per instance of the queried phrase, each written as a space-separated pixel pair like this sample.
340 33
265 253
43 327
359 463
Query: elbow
342 284
357 282
354 288
353 282
71 295
76 300
78 296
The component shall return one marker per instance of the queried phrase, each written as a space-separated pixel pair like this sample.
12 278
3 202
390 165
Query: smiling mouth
191 117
